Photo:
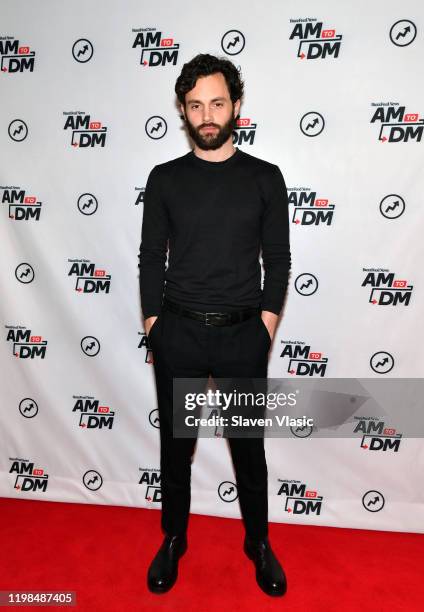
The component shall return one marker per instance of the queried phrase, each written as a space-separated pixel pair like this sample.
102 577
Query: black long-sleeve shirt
216 216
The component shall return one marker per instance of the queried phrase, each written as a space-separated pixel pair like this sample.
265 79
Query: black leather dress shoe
163 570
269 573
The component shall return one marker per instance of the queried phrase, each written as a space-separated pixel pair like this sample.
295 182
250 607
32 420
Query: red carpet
103 552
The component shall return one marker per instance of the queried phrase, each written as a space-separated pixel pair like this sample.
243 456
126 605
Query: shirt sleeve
153 247
276 256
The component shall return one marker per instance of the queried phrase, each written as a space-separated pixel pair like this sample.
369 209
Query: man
206 314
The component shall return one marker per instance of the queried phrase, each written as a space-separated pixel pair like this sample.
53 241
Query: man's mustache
206 125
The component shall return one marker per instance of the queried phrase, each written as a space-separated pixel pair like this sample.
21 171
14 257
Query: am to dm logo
397 125
385 289
91 414
244 132
88 278
155 49
150 480
299 499
139 195
28 478
85 132
24 344
302 361
22 207
376 436
308 209
15 57
144 343
315 41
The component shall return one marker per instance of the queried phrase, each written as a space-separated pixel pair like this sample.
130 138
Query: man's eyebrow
200 102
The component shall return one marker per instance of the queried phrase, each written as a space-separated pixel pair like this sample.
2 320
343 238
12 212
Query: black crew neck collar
217 164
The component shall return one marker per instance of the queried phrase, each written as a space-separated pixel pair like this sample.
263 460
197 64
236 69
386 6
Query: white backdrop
79 97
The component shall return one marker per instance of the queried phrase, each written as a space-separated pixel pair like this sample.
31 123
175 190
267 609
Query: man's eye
219 103
194 106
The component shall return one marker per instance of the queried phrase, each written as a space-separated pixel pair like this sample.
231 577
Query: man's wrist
270 320
153 314
271 307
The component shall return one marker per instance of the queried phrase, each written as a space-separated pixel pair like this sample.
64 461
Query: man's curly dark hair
204 64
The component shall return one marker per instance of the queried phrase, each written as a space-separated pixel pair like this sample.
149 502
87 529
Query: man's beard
211 140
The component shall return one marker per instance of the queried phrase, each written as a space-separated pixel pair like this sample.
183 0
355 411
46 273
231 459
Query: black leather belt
211 318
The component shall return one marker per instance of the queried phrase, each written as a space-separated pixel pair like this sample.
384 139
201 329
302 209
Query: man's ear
236 108
182 110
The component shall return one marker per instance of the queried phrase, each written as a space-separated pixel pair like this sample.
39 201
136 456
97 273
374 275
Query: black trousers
186 348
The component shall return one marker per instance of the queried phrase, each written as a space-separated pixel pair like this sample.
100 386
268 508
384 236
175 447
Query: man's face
209 113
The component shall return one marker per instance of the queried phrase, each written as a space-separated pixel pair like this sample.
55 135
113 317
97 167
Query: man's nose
207 115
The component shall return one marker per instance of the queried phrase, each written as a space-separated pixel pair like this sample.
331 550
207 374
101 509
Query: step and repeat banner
333 96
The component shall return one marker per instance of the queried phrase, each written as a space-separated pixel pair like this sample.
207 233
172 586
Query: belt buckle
206 319
216 314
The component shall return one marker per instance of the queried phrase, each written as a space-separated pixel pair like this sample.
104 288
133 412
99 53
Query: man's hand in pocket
148 324
270 321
